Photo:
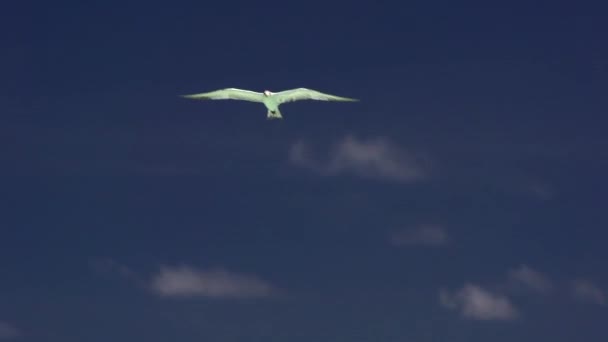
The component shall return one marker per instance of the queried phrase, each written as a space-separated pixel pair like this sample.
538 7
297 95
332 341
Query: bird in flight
271 100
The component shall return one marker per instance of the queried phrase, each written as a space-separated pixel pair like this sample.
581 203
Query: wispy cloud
542 191
526 278
8 331
586 290
477 302
186 281
425 234
106 265
374 159
474 302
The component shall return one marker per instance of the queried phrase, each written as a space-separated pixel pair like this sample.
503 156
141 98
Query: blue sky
462 199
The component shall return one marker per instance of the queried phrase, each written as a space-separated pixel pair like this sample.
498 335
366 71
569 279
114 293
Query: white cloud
185 281
474 302
527 278
8 331
374 159
587 291
426 234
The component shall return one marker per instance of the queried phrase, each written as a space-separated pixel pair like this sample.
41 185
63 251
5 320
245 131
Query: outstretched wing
307 94
228 94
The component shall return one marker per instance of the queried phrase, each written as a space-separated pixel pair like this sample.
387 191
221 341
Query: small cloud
473 302
525 277
8 331
374 159
542 191
186 281
105 265
427 234
585 290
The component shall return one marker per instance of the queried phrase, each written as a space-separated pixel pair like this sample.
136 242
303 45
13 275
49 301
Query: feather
307 94
228 94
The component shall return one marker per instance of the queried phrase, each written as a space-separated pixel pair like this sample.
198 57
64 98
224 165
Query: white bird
271 100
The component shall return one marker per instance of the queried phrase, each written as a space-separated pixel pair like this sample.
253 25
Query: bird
271 100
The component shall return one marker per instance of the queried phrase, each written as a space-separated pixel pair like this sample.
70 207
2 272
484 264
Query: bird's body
272 105
271 100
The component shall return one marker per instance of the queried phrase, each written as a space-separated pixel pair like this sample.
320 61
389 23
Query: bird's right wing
228 94
307 94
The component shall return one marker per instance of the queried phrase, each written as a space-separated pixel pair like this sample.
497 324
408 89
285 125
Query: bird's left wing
228 94
307 94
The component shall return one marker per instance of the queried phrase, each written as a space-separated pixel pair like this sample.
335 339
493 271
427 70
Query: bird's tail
274 114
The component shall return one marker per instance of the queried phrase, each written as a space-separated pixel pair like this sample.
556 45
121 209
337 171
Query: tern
271 100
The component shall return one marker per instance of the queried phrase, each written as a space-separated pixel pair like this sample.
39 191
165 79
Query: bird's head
267 93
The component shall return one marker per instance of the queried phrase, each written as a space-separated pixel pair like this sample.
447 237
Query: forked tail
274 114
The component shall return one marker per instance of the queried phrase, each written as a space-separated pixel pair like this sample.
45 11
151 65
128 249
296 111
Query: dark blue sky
463 199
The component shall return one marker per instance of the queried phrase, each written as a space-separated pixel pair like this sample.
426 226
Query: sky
461 199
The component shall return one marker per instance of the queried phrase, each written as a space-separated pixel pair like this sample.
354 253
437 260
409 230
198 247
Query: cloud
106 265
479 303
585 290
7 331
525 277
542 191
374 159
427 234
474 302
185 281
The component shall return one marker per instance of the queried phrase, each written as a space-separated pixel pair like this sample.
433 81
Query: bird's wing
228 94
307 94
